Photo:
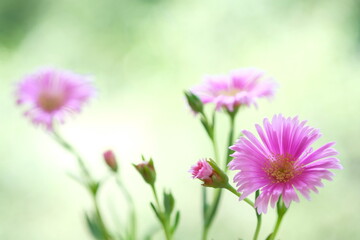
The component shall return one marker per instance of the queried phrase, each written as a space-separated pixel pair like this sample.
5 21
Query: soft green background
143 54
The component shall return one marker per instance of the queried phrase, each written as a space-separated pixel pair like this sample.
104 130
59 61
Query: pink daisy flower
281 161
202 170
241 87
52 94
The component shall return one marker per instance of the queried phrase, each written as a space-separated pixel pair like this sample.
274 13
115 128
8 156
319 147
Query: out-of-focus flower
281 162
110 160
240 87
210 174
51 94
147 171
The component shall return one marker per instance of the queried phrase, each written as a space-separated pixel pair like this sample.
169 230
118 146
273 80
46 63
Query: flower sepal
218 178
210 174
194 102
147 170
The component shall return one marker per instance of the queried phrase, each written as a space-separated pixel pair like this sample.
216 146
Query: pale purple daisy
281 162
51 94
240 87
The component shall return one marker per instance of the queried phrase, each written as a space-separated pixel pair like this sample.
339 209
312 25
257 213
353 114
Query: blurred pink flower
202 170
281 162
241 87
52 94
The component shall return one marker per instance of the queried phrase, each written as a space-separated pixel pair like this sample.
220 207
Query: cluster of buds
210 174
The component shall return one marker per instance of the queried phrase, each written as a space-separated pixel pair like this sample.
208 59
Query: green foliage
94 226
169 203
17 18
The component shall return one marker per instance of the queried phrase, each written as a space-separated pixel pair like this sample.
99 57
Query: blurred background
143 54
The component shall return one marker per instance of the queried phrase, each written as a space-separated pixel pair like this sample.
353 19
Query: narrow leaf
176 223
94 227
156 212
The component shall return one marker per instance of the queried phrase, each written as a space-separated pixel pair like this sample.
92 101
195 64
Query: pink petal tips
281 161
202 170
240 87
51 94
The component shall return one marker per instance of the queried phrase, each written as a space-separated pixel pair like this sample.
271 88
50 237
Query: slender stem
216 150
233 190
205 212
130 202
100 218
258 217
59 139
164 221
89 181
213 208
281 210
230 139
156 196
205 233
276 228
204 198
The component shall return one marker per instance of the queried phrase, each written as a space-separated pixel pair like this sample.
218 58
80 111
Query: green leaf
169 203
93 225
176 223
94 187
268 238
158 215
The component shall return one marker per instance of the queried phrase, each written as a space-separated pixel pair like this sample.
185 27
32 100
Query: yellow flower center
281 168
230 92
50 102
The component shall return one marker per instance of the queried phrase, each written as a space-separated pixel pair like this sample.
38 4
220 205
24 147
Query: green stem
89 180
210 211
100 218
216 150
205 233
204 198
276 229
213 208
230 139
59 139
281 210
233 190
164 221
258 217
130 203
156 197
205 211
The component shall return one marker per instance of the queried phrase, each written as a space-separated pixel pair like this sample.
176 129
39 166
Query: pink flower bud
110 160
202 170
210 174
147 170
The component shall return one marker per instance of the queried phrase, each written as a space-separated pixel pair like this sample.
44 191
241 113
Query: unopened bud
194 102
210 174
110 160
147 171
